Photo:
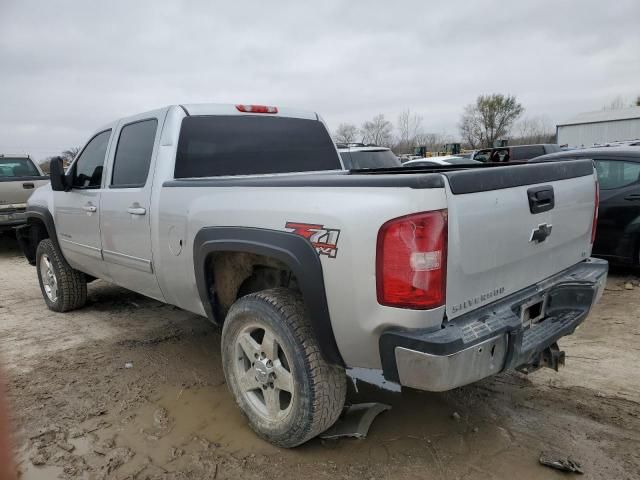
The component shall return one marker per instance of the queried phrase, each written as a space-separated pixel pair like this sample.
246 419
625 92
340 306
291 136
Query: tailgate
17 192
505 233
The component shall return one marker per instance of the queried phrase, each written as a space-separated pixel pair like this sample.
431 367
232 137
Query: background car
618 231
515 153
19 177
358 155
437 161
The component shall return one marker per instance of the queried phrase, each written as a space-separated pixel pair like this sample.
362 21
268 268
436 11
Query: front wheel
275 371
63 288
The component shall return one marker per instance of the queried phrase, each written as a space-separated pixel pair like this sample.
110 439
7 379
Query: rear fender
292 250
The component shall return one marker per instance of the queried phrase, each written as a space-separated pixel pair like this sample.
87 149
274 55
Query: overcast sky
66 68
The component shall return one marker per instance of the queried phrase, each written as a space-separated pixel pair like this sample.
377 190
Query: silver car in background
19 177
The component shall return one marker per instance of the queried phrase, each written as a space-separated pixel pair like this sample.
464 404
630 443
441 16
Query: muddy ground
80 412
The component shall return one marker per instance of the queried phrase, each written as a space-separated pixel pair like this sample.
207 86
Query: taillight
256 109
411 261
595 214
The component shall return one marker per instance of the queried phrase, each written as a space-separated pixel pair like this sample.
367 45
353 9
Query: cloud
69 67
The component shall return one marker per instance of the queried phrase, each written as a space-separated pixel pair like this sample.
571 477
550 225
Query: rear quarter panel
349 277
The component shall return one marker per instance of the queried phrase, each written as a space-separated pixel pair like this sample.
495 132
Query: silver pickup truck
436 276
19 177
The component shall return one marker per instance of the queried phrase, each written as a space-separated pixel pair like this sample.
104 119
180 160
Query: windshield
370 159
17 167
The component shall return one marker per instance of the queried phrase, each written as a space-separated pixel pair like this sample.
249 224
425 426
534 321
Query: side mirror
58 178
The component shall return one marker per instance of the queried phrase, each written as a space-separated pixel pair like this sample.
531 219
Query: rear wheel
63 288
275 371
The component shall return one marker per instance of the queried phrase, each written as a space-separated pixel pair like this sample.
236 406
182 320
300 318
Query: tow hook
550 357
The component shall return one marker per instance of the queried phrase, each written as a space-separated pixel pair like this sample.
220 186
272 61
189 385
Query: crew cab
245 214
19 177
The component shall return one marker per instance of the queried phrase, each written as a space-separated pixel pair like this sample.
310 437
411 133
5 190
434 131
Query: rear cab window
382 158
223 145
17 167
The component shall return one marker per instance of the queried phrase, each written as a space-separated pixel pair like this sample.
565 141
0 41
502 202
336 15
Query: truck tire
63 288
275 371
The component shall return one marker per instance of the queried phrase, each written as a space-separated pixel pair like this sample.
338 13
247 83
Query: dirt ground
130 388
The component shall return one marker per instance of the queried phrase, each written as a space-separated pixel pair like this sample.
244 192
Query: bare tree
409 127
434 142
69 154
378 131
533 130
346 133
470 128
67 157
489 119
44 165
638 101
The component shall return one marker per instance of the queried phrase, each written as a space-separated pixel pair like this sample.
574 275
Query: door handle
89 208
137 210
28 186
633 197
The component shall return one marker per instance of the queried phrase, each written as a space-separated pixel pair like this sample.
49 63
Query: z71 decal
325 240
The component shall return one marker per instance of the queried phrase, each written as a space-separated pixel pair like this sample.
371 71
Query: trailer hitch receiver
550 357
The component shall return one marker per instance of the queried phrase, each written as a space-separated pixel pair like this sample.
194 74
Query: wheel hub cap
263 371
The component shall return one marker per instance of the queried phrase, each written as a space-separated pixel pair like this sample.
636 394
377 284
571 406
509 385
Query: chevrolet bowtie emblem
541 233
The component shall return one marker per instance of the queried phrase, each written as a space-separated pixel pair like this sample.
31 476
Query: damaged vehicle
245 214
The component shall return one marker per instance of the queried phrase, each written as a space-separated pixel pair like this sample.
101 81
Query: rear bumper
495 337
12 218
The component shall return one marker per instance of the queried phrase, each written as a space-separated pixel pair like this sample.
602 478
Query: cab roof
232 109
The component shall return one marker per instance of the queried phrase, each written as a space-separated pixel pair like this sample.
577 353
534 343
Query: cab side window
133 154
87 170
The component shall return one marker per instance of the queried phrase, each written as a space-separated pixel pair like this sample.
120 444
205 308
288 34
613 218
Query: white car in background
357 156
439 161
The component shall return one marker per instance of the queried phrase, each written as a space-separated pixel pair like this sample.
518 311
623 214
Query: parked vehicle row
439 161
245 214
515 153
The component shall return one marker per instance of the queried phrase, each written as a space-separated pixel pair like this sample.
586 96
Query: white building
587 129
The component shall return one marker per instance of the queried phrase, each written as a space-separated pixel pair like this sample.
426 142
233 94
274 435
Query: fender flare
44 215
291 249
